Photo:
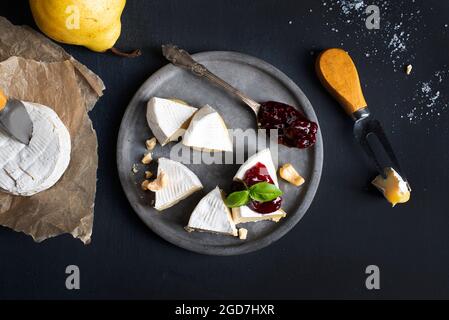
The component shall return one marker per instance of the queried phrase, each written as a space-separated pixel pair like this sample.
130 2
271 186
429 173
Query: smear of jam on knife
258 173
294 129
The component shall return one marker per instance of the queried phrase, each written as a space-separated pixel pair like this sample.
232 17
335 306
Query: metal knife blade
16 122
371 136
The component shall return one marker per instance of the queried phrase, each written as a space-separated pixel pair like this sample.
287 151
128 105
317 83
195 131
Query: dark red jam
266 207
294 129
259 173
256 174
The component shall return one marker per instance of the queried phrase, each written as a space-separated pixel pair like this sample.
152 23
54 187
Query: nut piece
147 158
151 143
408 69
134 168
160 182
148 174
243 233
289 173
145 184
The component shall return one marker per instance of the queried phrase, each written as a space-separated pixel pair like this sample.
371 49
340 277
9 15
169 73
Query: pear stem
133 54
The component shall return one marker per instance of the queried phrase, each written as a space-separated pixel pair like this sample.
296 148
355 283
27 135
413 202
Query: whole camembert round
29 169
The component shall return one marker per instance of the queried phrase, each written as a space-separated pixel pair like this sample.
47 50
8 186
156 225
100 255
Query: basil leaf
237 199
264 192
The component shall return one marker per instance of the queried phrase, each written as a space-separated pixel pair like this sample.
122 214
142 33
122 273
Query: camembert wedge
168 118
208 132
181 184
245 214
264 157
212 215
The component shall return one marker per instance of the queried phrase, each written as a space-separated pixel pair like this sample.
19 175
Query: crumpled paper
33 68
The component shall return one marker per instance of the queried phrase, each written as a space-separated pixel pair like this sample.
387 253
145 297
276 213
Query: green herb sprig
261 192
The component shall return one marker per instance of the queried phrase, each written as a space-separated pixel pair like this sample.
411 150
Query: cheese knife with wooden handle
14 119
338 74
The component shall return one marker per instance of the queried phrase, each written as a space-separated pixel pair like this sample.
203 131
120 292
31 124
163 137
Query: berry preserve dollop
266 207
294 129
259 173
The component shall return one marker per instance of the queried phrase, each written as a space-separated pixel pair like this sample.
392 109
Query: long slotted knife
14 119
339 76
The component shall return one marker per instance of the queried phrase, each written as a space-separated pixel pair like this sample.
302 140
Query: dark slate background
348 226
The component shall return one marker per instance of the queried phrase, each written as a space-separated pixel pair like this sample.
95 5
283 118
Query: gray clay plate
262 82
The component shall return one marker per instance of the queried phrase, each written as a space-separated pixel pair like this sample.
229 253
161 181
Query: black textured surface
348 225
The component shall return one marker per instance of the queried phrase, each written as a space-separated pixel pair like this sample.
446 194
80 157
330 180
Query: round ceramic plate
257 79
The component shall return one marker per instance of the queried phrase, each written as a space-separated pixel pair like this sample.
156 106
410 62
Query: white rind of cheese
212 215
168 119
29 169
208 132
182 182
245 214
264 157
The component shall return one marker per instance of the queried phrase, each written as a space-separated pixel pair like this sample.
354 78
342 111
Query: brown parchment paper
33 68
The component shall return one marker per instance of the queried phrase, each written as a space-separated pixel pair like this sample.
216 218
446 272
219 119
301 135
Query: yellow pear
94 24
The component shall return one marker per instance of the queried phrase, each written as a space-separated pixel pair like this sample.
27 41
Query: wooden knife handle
3 100
339 76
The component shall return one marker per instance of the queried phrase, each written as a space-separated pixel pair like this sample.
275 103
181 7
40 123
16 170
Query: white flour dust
348 6
392 39
428 101
393 44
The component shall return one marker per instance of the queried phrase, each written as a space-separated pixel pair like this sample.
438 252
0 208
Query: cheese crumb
145 184
408 69
151 143
147 158
243 233
160 182
134 168
289 173
148 174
